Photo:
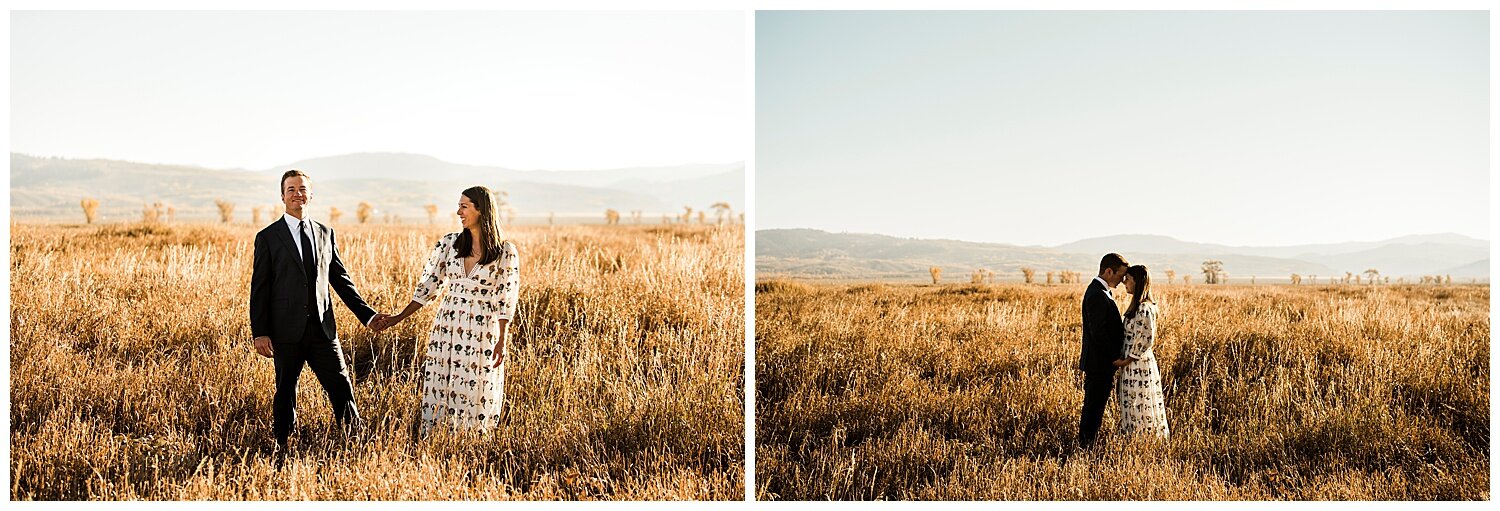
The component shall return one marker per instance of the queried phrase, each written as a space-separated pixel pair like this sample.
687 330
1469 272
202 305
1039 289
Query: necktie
310 267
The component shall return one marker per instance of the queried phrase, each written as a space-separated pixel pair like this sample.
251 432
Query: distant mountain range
808 253
396 183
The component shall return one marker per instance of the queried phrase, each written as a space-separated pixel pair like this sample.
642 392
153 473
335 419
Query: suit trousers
326 359
1097 386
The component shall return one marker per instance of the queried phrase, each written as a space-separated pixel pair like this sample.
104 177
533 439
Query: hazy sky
1253 128
525 90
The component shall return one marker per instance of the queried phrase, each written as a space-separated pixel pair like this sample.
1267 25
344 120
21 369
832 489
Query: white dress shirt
1107 291
293 224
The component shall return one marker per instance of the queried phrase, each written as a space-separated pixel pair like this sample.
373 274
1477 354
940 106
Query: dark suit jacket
278 285
1103 330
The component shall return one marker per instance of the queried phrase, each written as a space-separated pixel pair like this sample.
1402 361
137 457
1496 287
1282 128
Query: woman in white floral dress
1138 382
463 373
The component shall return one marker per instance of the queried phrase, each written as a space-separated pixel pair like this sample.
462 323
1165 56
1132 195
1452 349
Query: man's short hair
291 174
1112 260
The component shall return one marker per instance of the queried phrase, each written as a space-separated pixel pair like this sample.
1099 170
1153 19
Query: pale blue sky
551 90
1245 128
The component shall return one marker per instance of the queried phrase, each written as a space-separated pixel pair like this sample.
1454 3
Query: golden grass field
132 373
880 391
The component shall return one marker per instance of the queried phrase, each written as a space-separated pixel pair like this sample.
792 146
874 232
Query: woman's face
467 215
1129 284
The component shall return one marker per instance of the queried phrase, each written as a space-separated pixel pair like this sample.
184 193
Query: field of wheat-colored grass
132 374
880 391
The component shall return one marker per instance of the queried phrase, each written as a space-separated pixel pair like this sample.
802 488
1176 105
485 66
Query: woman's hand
504 342
1124 362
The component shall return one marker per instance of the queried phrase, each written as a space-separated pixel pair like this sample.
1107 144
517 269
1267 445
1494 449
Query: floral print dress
1138 384
458 385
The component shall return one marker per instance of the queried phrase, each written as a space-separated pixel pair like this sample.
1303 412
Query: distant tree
1252 280
977 277
1356 279
1296 279
151 213
1213 271
1049 278
687 215
635 215
334 214
226 210
1387 280
702 218
1187 279
611 217
363 212
1372 276
1313 278
1348 277
720 209
1069 277
504 207
432 210
937 274
90 209
552 218
1028 274
171 214
1448 279
1171 275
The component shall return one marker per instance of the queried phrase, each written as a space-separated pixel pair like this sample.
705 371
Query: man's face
1113 276
296 192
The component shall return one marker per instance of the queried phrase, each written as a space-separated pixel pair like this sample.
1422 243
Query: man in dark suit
291 314
1103 342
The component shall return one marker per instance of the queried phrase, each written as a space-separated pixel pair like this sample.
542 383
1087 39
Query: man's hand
381 322
263 347
1123 362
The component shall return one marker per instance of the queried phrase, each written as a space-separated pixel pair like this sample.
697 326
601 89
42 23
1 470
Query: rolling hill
48 189
808 253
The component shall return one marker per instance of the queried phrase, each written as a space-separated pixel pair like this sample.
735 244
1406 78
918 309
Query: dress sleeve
510 281
1146 336
434 275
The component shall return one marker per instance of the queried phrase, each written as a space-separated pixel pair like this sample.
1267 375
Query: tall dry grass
132 374
883 391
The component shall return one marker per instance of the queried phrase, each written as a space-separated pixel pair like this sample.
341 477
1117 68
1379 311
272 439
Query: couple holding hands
291 313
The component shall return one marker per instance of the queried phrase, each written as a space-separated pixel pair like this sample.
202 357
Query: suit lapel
285 235
320 244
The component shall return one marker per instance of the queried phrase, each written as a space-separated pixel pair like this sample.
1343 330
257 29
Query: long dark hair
490 235
1142 292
